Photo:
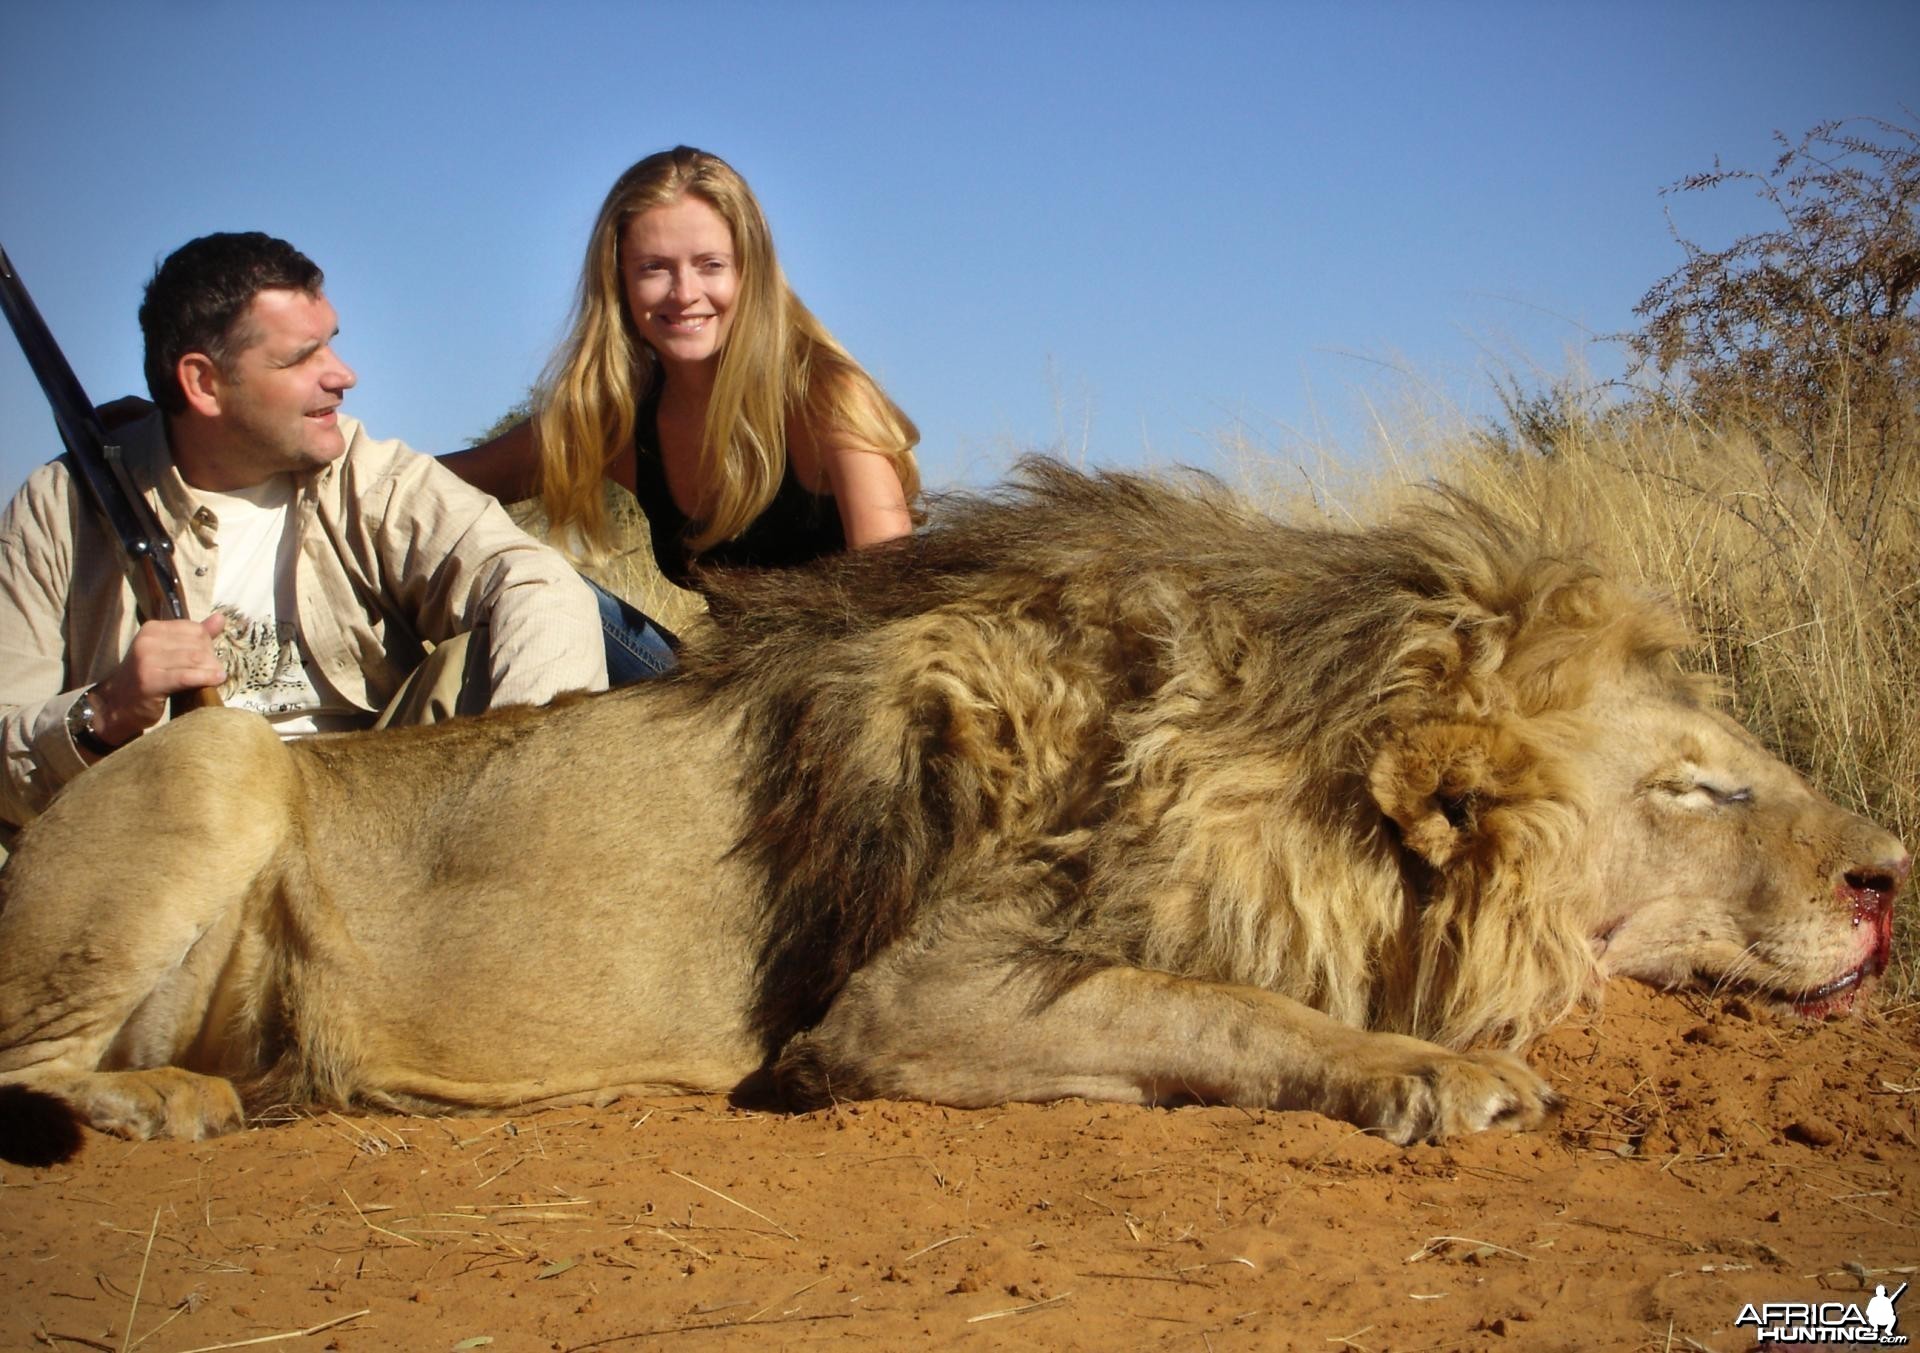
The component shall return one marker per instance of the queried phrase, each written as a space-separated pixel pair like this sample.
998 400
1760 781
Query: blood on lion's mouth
1822 1002
1837 997
1869 898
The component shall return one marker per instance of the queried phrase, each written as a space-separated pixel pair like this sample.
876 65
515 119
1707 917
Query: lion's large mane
1339 764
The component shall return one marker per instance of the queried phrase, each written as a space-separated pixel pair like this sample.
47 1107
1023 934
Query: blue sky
1125 226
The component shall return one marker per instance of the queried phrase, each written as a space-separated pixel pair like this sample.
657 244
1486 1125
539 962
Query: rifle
146 551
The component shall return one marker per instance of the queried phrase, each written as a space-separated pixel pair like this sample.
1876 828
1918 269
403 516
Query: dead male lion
1101 787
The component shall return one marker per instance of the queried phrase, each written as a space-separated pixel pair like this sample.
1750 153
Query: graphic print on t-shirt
265 670
254 587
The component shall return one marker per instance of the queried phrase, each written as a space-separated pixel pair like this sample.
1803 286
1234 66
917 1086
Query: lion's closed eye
1689 785
1704 793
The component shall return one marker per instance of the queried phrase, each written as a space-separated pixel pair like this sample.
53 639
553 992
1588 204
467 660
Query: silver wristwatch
80 725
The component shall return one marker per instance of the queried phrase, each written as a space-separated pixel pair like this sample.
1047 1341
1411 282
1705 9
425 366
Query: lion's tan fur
1098 786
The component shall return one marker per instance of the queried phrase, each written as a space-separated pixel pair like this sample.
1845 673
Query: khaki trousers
454 679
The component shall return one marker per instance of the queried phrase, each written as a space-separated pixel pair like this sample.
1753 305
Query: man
320 560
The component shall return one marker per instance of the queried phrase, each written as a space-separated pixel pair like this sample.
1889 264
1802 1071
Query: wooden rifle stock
146 550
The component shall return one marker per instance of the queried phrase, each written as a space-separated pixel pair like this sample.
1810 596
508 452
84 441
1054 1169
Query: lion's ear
1439 782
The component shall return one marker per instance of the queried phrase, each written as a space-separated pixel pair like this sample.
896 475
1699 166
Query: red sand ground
1709 1157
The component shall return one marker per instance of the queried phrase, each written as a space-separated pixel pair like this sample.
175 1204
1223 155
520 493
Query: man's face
279 403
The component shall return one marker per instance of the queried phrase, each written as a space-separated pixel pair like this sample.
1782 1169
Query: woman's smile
678 271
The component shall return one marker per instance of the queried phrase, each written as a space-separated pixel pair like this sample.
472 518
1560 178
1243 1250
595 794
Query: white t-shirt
254 588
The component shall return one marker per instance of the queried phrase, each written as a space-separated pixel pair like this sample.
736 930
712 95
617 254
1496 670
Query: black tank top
796 528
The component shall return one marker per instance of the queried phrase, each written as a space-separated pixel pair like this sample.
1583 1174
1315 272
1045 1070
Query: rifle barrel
147 549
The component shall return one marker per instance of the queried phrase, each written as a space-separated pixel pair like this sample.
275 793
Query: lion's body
1106 788
385 968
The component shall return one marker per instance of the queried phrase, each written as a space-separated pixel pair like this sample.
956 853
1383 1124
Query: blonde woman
696 378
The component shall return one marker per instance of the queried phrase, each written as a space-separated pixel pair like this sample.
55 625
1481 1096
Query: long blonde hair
779 366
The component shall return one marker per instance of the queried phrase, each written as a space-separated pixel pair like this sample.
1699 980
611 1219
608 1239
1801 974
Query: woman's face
680 277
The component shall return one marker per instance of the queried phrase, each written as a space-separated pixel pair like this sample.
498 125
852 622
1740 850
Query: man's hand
166 656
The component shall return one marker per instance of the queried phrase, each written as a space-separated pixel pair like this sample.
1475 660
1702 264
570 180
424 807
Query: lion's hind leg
121 913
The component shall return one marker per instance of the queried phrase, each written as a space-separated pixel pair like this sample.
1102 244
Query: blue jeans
637 648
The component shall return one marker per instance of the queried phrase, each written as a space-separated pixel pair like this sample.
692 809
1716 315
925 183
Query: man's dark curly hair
198 299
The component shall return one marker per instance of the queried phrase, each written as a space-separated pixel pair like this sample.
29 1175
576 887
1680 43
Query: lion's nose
1868 892
1870 889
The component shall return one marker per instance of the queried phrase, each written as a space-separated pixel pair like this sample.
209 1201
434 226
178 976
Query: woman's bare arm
508 467
863 481
866 488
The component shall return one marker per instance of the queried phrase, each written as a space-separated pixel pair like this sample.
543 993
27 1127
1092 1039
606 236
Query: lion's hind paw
160 1102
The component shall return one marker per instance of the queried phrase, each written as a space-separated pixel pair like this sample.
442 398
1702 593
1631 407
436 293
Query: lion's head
1571 805
1737 872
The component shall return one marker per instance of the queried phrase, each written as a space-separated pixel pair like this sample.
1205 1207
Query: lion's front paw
1435 1094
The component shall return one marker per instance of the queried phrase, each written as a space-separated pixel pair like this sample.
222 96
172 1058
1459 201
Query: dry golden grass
627 568
1811 623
